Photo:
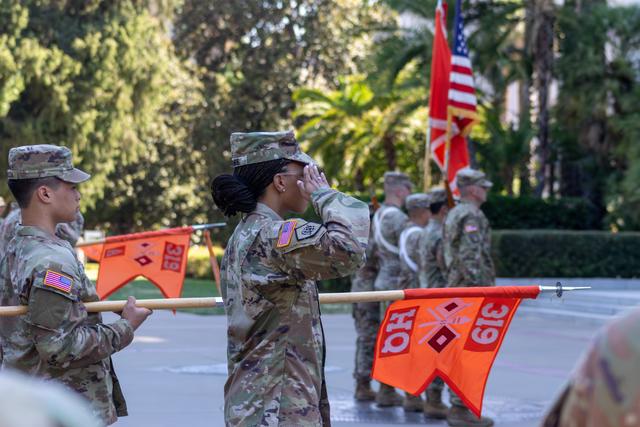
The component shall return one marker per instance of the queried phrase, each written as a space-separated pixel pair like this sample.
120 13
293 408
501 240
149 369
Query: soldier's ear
43 194
278 183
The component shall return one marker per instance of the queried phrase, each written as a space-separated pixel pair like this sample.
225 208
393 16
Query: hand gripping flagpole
325 298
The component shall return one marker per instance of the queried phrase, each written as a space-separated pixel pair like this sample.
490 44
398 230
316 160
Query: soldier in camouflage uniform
69 231
366 316
417 206
467 254
604 390
276 348
388 222
433 274
3 206
432 268
57 339
31 402
7 227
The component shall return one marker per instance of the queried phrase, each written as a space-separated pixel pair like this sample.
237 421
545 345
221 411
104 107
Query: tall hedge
509 213
553 253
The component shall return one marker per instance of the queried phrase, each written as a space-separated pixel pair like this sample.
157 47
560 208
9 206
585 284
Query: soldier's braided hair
240 192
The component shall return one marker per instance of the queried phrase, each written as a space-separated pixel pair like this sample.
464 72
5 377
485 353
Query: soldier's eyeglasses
298 175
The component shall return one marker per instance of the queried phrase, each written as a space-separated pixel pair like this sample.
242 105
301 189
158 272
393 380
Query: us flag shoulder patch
58 281
286 233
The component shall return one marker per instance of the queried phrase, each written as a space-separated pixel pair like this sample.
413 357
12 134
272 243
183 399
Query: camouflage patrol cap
41 161
257 147
467 177
392 179
417 201
438 195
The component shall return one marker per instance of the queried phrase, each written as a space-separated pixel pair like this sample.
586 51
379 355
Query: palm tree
356 134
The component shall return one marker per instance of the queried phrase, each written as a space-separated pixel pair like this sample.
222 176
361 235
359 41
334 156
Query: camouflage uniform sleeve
64 336
71 231
365 277
439 254
470 248
393 224
332 249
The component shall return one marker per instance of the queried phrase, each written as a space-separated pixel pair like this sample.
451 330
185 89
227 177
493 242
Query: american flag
462 91
58 281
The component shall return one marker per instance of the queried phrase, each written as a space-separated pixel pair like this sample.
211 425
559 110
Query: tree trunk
524 96
389 148
543 20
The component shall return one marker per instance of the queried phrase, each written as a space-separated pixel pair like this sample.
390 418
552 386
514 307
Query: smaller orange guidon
286 233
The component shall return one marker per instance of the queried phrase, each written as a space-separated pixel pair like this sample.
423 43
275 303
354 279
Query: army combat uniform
276 346
57 339
467 241
366 316
409 243
604 390
70 231
467 254
432 274
388 223
433 269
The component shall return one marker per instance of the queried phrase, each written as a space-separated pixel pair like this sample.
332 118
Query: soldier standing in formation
3 206
366 316
276 348
57 338
467 253
388 223
70 231
417 206
433 274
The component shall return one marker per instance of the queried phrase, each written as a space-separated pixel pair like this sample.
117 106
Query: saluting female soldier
276 346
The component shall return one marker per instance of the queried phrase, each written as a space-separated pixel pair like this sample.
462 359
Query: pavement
174 372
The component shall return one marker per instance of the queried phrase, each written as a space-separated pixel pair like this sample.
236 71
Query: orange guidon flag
453 333
93 252
160 256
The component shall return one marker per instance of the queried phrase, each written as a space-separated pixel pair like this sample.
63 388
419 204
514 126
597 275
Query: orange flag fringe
453 333
160 256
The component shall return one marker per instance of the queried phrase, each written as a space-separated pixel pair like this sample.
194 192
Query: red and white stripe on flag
440 98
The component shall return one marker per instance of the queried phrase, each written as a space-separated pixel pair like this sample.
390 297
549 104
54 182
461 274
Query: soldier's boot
434 407
364 392
387 396
412 403
459 416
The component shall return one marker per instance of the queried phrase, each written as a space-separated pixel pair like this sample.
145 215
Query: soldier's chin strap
377 233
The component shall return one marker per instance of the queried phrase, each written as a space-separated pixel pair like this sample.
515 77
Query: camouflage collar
264 210
33 231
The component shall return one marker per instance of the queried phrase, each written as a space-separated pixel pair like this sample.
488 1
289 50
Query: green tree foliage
253 54
597 125
359 136
102 78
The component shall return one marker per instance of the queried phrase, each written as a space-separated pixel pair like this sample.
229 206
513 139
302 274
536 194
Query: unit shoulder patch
307 230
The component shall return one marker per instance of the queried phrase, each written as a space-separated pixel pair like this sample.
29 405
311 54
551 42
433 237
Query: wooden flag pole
426 182
213 260
210 302
195 228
